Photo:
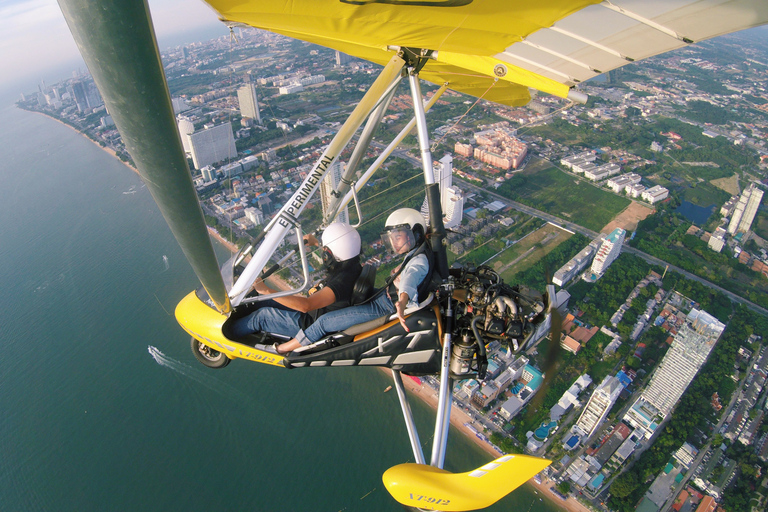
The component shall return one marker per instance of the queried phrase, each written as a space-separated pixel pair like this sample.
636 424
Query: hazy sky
36 44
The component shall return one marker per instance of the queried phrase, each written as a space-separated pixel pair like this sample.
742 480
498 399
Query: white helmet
405 221
342 240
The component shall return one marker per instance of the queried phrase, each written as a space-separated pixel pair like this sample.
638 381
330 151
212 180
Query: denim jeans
341 319
270 317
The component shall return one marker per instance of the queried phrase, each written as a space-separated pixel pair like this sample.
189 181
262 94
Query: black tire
208 356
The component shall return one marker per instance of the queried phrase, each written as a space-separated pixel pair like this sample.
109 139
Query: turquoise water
543 431
91 421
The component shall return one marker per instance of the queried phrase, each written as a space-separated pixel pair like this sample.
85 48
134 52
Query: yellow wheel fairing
204 324
430 488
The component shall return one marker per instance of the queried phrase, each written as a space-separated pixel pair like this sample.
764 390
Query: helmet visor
398 239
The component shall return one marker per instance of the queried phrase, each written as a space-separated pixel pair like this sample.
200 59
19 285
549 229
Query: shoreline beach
103 148
459 419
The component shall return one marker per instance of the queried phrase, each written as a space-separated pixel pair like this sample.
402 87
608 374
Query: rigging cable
437 142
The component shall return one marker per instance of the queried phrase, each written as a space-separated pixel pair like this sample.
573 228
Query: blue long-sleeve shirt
411 277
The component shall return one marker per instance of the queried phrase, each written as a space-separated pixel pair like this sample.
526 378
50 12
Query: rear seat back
363 287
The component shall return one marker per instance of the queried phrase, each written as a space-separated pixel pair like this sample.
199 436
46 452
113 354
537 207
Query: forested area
663 235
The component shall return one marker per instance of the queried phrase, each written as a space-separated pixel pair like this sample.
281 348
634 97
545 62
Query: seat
363 285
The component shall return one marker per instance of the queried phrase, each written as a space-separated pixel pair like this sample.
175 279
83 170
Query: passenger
287 315
403 234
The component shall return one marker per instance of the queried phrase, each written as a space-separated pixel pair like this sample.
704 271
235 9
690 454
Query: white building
717 240
254 215
328 185
209 173
599 405
291 89
654 194
249 103
451 198
186 127
620 183
608 252
577 263
212 145
745 210
685 356
179 105
634 191
602 172
578 160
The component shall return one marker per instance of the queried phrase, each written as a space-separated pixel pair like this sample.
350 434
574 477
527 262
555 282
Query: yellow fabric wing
499 48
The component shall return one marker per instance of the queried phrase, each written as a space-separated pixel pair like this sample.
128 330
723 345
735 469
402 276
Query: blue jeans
341 319
270 317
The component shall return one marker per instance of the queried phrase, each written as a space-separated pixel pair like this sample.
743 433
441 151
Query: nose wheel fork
208 356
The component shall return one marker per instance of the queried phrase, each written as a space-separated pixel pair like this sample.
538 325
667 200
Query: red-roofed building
583 335
570 344
707 504
680 500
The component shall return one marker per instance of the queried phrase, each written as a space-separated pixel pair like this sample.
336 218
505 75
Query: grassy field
479 255
547 188
760 224
528 251
705 194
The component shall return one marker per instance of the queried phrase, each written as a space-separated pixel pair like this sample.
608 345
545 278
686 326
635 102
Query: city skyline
36 43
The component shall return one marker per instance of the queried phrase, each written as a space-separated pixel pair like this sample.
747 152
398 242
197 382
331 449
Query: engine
487 309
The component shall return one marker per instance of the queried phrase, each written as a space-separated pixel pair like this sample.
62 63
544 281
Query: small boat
388 388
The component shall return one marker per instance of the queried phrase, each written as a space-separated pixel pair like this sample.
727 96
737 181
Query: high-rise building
328 185
599 405
93 95
186 128
78 94
685 357
249 103
208 172
745 210
212 145
451 198
254 215
342 59
608 252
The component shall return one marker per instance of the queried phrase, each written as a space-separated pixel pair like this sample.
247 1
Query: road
723 415
592 234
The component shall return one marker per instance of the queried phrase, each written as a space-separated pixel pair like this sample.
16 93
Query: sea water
103 406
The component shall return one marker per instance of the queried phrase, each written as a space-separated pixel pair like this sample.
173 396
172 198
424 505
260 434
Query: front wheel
208 356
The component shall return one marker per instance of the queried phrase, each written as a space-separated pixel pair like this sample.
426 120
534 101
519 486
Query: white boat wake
196 375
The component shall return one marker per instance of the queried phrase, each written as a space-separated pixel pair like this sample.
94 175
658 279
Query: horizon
36 43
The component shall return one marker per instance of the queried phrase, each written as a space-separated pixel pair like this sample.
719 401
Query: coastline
103 148
459 418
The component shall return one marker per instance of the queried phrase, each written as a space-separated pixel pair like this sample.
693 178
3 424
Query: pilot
287 315
404 234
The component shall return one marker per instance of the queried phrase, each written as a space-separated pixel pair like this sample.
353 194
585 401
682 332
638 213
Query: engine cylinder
462 353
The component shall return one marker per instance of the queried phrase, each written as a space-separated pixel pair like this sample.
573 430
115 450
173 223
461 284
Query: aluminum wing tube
117 41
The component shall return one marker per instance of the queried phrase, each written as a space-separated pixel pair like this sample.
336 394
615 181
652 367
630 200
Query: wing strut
117 42
288 214
357 155
359 184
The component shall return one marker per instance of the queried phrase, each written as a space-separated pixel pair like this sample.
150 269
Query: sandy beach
103 148
459 418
